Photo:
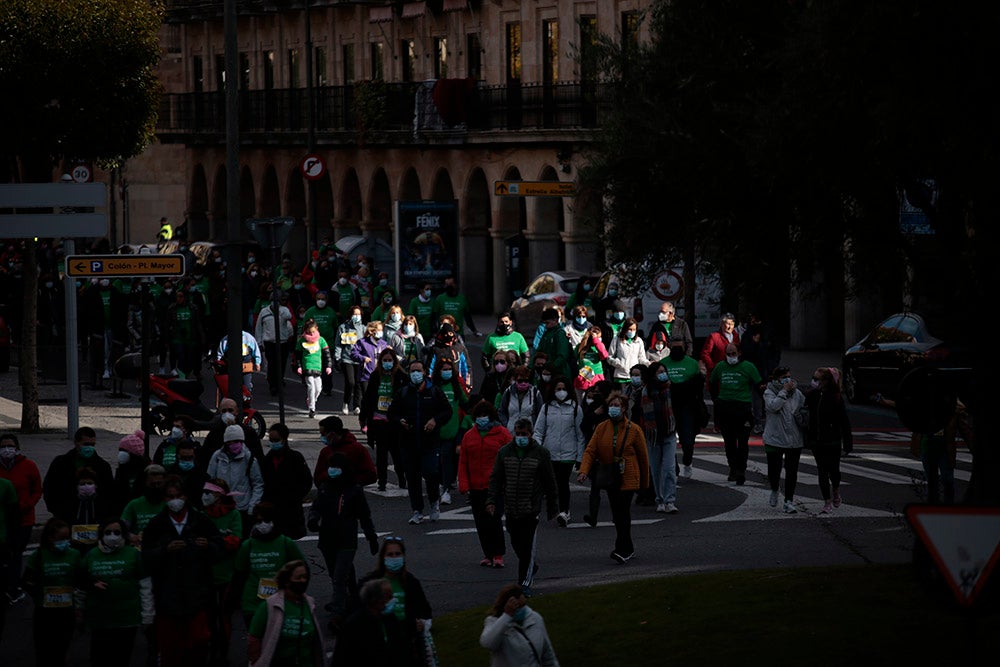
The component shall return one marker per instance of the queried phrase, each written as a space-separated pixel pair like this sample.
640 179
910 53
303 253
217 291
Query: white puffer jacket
780 429
558 430
518 645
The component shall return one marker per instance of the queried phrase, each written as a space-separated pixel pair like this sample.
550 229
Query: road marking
910 464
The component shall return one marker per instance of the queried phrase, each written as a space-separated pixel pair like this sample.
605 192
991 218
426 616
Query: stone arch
198 208
248 201
297 243
479 252
270 195
349 221
324 206
442 189
512 212
409 186
548 224
378 218
219 203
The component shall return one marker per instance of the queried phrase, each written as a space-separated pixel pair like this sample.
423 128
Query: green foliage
765 617
370 107
79 77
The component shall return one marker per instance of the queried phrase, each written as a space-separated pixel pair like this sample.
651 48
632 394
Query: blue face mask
86 451
334 473
356 319
636 381
522 440
276 445
483 423
387 365
630 335
325 440
581 321
394 564
520 614
416 377
186 466
615 412
60 545
662 377
446 375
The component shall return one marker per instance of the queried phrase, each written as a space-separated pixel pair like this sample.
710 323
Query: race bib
85 533
383 403
57 597
266 588
349 338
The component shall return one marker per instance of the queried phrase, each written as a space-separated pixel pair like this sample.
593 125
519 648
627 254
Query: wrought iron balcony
386 112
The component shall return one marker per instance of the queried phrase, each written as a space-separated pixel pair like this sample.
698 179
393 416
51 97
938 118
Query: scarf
657 412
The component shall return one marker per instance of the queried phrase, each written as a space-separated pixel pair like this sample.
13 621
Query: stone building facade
435 100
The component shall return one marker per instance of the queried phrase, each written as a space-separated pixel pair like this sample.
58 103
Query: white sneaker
417 518
435 510
661 508
357 411
790 507
345 411
562 519
773 502
445 498
686 472
671 508
107 375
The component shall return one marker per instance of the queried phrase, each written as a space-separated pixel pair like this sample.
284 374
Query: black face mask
677 353
504 329
298 587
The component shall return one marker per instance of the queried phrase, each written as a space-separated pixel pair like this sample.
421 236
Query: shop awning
454 5
412 10
380 14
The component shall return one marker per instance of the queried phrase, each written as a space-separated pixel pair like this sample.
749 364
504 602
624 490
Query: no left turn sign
313 166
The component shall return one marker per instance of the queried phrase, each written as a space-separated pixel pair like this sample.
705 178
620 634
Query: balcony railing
405 109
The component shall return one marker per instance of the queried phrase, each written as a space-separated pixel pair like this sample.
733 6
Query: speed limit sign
82 173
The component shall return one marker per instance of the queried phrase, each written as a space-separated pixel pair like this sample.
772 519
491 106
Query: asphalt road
719 527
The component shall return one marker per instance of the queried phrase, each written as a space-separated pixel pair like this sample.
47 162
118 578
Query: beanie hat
134 444
233 432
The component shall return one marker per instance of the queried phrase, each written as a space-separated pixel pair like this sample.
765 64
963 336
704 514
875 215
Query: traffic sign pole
72 351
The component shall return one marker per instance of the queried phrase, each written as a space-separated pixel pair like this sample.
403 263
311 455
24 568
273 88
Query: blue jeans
663 468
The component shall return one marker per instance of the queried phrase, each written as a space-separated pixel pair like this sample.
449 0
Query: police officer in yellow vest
166 231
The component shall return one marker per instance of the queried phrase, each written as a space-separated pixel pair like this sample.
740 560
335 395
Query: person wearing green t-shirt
452 302
139 511
259 559
732 385
119 596
327 320
51 575
422 308
687 387
312 361
445 376
503 339
347 295
284 629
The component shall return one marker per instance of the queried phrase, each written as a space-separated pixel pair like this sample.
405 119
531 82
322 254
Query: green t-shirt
456 306
120 604
512 341
326 320
346 298
736 381
8 498
424 312
183 329
261 560
230 523
138 513
55 575
311 354
681 371
298 632
384 397
400 595
455 400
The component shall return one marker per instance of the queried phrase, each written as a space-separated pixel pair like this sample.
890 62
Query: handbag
609 475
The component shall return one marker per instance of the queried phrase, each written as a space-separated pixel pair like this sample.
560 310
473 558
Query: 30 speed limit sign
82 173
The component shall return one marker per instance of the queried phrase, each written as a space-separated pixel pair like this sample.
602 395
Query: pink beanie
134 444
835 372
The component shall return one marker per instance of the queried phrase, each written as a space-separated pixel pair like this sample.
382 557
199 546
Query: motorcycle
182 396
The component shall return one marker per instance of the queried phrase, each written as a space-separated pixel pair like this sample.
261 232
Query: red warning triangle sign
964 542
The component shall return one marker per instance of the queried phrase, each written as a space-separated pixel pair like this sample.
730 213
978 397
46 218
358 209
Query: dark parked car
551 288
897 345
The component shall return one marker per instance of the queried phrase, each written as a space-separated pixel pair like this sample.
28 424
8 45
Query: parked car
897 345
550 288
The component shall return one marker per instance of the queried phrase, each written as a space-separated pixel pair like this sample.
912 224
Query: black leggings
791 457
563 470
735 419
382 437
827 467
352 388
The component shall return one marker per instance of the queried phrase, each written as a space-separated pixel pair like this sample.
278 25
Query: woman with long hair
828 432
515 634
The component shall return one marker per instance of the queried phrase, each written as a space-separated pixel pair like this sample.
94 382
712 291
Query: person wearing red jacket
336 438
714 349
476 457
22 472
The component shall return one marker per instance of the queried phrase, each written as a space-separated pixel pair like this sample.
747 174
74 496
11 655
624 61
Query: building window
513 51
378 61
474 59
244 71
550 57
293 68
588 48
440 57
319 62
630 29
198 74
220 72
348 62
407 50
268 61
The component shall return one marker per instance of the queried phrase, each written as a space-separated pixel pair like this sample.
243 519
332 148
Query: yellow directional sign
533 189
134 266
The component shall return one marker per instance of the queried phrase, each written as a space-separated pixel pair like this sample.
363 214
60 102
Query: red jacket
357 455
476 456
27 482
714 349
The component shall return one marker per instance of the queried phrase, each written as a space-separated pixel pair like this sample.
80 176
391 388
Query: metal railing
511 107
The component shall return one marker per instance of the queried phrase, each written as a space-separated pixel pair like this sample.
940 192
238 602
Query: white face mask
321 303
7 453
113 541
123 457
264 527
207 499
732 360
175 505
561 395
663 317
228 418
408 330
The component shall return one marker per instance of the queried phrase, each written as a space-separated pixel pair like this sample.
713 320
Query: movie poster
426 243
